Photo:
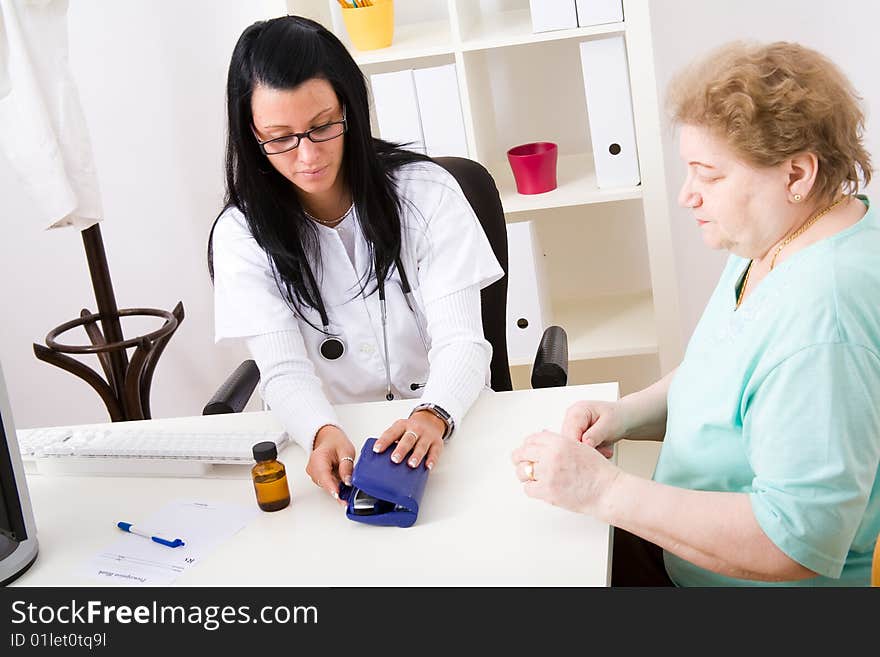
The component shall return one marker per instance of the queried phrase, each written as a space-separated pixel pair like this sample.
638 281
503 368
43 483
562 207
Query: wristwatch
439 412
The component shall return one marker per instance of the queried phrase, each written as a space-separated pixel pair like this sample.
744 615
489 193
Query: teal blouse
780 400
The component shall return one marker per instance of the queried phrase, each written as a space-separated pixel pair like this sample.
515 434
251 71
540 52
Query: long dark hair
282 53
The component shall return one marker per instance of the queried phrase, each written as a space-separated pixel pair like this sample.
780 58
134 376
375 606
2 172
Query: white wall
151 77
686 29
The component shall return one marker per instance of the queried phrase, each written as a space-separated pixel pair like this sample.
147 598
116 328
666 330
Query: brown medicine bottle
270 478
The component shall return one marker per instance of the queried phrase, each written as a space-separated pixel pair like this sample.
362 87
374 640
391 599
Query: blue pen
131 529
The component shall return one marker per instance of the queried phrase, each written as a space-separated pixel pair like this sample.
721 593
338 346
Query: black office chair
550 367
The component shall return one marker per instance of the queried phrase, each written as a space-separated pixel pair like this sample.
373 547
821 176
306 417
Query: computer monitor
18 539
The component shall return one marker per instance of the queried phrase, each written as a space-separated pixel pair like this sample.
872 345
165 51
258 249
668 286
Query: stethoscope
332 347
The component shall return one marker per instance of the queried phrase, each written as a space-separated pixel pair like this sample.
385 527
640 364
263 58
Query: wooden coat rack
125 387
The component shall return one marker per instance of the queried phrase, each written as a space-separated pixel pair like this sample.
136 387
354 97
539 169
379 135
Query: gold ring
414 434
529 470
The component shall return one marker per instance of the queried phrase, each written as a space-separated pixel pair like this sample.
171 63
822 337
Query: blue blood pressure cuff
384 492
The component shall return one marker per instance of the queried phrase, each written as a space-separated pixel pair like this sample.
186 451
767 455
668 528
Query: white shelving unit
512 28
576 185
608 251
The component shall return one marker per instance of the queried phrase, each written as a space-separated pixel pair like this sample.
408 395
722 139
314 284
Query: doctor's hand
331 460
421 434
596 423
565 473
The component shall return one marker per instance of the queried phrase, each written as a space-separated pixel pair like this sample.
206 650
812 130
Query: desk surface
476 526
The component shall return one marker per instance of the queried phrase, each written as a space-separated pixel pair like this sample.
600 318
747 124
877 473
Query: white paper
135 560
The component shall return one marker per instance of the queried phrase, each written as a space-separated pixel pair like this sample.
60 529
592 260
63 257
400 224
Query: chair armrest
235 392
551 362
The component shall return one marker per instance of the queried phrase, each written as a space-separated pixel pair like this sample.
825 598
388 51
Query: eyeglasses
286 143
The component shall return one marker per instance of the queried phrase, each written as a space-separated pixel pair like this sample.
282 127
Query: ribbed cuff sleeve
459 357
289 386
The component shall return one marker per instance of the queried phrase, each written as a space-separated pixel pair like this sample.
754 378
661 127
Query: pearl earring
797 198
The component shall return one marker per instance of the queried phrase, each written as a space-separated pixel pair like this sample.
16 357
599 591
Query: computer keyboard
127 451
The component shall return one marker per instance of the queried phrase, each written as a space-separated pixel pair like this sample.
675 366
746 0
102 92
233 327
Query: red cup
534 166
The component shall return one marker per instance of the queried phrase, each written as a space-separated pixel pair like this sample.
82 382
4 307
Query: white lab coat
444 251
43 132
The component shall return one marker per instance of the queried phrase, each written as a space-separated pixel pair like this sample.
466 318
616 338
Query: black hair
282 53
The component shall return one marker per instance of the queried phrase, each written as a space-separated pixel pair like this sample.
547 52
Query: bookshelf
608 252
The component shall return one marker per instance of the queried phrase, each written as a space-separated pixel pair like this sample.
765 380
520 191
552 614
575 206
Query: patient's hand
596 423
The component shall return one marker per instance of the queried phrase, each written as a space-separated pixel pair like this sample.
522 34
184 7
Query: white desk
476 527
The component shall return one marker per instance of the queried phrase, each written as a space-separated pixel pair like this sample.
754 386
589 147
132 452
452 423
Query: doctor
351 267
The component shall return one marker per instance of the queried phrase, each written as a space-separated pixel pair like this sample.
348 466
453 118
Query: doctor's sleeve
455 262
290 387
248 304
459 357
247 300
453 252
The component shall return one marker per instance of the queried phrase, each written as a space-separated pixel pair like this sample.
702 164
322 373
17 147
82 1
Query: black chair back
482 194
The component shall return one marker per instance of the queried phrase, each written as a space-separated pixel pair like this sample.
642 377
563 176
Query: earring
797 198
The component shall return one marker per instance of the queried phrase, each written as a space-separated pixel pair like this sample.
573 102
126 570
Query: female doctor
351 267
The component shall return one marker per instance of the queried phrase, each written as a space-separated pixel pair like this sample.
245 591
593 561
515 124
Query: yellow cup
370 27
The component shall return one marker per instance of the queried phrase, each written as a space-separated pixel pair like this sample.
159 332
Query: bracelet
437 411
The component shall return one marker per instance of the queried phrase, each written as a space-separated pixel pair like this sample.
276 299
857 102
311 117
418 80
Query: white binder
552 15
597 12
528 307
440 110
397 108
609 106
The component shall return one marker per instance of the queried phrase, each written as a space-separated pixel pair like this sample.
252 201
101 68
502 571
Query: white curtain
43 133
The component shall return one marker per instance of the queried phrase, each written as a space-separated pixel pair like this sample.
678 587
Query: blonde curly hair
771 102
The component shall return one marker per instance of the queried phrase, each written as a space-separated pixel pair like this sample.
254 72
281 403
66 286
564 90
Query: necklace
809 222
331 222
742 290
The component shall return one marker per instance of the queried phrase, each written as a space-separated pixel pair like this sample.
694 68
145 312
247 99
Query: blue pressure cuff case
383 492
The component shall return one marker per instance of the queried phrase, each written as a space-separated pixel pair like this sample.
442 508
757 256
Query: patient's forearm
715 531
644 412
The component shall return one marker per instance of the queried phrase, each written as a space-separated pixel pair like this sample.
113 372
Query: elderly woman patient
771 423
